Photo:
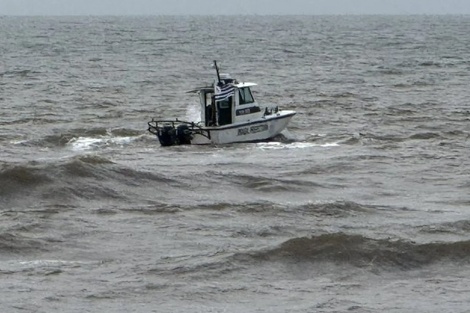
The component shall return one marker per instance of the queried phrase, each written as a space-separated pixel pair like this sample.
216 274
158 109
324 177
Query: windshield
245 95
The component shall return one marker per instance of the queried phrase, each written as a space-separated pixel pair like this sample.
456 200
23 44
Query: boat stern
175 132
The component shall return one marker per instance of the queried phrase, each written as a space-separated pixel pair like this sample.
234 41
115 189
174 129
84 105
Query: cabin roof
211 88
241 85
198 89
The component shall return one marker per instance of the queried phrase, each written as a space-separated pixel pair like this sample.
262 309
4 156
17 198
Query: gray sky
197 7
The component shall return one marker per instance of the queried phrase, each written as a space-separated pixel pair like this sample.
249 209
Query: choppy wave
335 249
360 251
17 177
87 138
371 138
265 183
86 143
461 227
87 176
294 145
334 209
18 244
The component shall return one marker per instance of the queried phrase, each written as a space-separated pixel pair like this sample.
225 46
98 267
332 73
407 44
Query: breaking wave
86 139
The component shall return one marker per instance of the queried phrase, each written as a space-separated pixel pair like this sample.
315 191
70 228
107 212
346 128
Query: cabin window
245 95
225 104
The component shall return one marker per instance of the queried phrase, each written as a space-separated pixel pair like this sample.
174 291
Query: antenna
217 70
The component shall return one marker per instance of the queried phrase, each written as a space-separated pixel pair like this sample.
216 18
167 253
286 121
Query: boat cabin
237 106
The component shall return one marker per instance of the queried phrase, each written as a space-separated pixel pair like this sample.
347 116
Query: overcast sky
211 7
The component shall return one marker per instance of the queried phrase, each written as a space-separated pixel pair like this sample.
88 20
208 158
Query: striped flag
224 91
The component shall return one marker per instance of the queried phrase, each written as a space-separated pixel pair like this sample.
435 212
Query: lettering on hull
252 130
248 111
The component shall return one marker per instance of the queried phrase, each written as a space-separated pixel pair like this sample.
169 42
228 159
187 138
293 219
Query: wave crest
361 251
11 243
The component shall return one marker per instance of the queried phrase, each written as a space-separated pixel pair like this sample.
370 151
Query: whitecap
294 145
87 143
84 143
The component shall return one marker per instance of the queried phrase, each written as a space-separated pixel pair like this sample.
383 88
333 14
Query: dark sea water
363 205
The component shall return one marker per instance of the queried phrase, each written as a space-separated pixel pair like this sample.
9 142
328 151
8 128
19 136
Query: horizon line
240 14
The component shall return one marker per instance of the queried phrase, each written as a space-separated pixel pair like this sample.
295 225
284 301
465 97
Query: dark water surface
361 206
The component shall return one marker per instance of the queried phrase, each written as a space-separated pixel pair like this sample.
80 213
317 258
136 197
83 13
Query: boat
229 114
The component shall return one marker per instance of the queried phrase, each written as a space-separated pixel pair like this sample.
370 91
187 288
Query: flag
224 91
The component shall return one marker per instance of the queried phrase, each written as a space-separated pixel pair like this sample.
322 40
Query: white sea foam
87 143
43 264
18 142
193 113
294 145
40 263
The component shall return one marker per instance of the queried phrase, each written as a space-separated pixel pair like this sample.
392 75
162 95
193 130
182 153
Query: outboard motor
171 133
167 135
183 134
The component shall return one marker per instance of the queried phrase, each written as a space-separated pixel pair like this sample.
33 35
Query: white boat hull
256 130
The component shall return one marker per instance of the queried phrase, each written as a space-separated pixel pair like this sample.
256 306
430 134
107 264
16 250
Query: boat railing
270 110
155 125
